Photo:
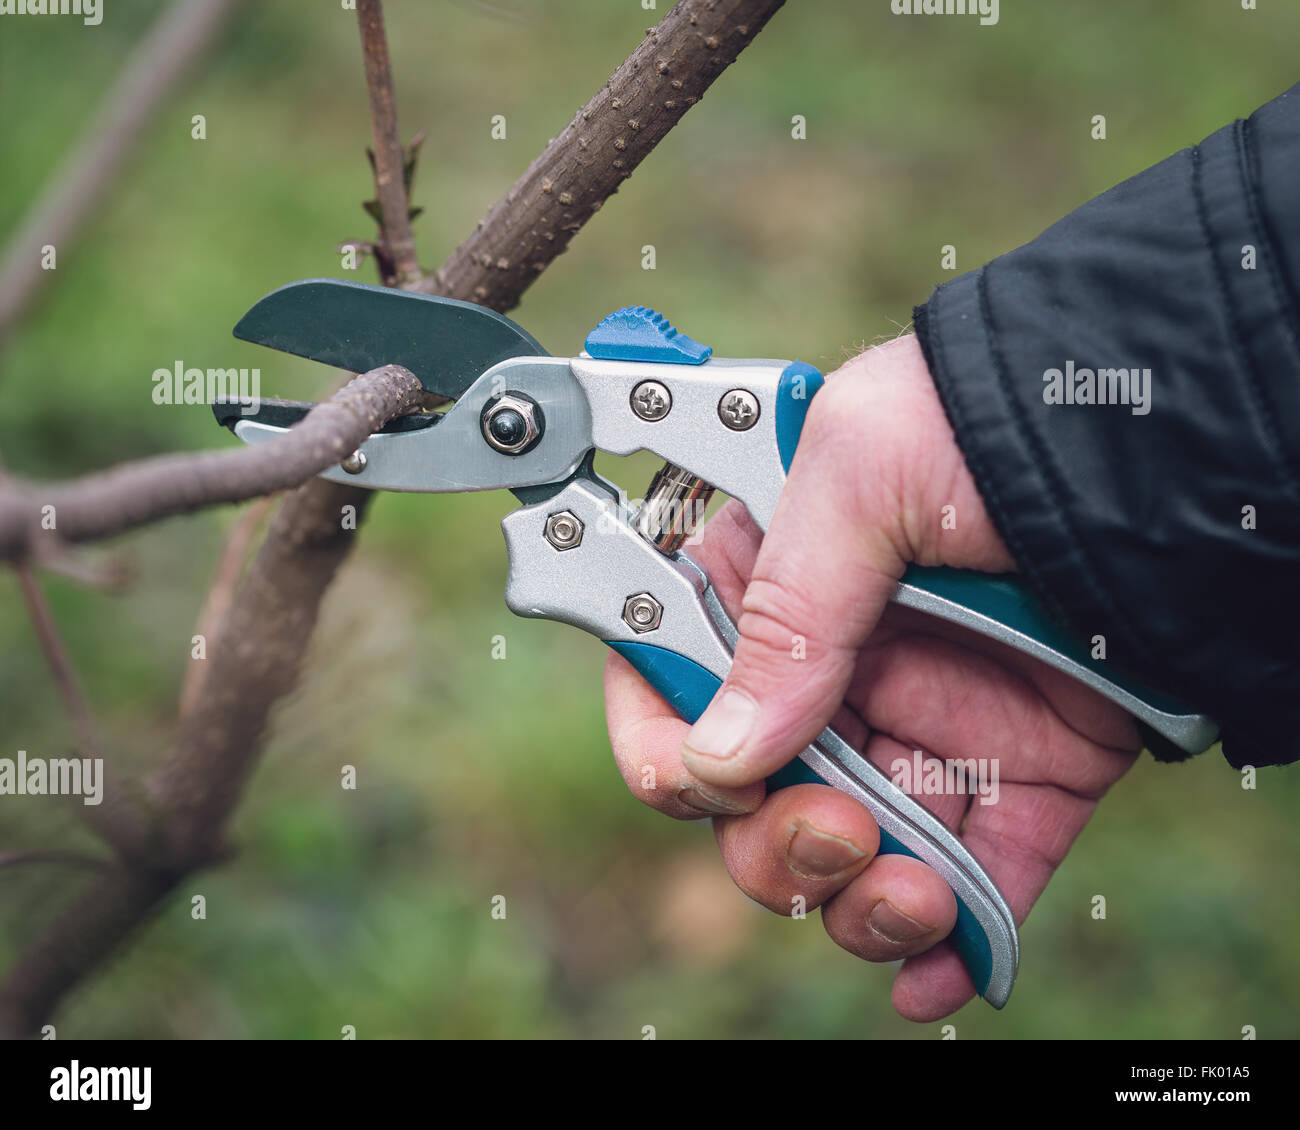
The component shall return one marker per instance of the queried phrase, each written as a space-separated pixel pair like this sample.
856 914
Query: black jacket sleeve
1159 508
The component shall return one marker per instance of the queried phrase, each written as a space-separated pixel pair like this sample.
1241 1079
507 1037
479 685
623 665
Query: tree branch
14 859
176 39
119 821
397 258
597 151
221 593
134 494
257 654
65 675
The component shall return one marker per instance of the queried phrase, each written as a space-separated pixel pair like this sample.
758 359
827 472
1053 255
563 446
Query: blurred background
482 777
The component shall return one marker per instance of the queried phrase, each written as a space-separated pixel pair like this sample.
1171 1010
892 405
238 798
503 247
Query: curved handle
985 934
685 654
1003 609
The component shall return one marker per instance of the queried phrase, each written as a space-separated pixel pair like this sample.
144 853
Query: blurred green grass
481 777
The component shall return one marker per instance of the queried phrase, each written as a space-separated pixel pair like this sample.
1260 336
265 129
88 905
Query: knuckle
771 614
779 625
831 413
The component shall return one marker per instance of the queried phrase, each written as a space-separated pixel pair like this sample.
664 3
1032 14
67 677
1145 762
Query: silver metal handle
594 583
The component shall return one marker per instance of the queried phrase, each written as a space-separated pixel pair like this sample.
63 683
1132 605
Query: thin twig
118 817
109 574
15 859
177 38
65 676
396 242
134 494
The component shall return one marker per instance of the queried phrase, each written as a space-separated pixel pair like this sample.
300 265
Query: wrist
915 487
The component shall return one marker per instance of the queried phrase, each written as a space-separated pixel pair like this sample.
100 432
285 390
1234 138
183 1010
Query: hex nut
524 407
564 530
642 613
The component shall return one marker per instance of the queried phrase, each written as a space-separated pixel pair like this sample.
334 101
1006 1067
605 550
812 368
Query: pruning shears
531 423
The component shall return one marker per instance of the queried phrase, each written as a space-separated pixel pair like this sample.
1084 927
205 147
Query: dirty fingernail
724 726
693 796
813 854
893 925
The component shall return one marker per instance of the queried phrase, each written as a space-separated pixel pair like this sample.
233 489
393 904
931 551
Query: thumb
827 566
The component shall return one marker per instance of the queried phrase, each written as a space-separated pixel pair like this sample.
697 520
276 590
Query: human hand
876 468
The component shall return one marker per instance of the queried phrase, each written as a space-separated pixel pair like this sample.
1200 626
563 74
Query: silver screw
355 463
564 530
651 400
738 409
642 613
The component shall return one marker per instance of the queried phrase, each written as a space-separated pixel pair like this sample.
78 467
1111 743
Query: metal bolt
738 409
564 530
642 613
651 400
355 463
512 423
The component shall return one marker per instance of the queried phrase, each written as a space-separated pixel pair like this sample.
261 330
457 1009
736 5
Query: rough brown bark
253 662
114 903
597 151
226 579
396 247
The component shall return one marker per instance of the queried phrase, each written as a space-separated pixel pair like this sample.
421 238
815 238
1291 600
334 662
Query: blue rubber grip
688 688
1003 599
1009 602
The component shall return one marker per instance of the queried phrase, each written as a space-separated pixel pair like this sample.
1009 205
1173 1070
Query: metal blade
285 413
446 343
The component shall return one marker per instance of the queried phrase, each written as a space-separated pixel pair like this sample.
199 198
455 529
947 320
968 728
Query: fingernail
893 925
723 728
819 855
700 799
